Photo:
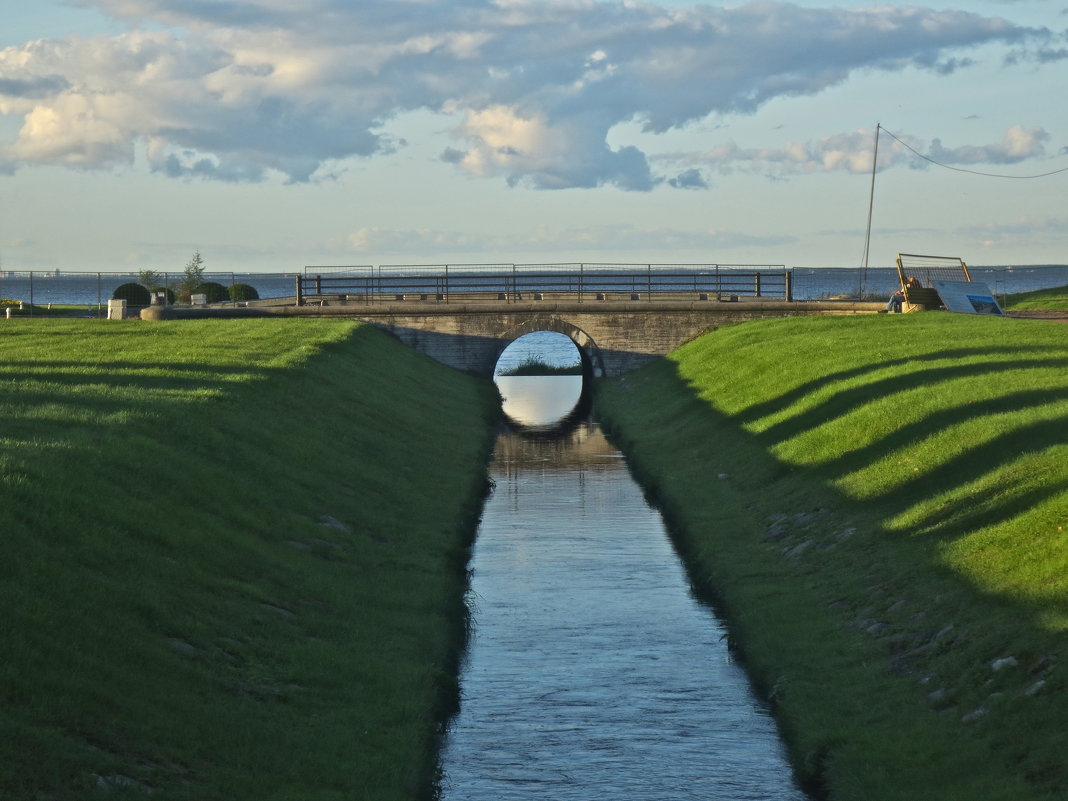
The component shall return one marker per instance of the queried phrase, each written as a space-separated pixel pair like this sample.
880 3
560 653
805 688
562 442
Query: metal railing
518 283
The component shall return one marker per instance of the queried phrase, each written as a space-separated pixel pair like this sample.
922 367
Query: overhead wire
972 172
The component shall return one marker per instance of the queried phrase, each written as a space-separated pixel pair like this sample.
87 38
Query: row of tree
192 278
191 283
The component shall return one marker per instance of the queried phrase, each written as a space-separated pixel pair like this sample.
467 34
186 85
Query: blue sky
412 132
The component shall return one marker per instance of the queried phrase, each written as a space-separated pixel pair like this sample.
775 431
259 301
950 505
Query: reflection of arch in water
557 429
589 353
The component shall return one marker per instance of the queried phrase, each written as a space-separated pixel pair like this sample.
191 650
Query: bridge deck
481 303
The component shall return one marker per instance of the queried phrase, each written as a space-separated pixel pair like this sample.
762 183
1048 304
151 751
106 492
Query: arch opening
589 353
541 376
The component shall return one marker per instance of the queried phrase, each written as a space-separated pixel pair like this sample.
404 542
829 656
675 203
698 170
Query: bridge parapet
613 337
522 283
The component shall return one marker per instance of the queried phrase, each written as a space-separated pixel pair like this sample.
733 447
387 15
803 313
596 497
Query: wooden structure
917 274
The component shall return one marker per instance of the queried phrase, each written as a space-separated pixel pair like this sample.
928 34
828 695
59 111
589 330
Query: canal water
592 671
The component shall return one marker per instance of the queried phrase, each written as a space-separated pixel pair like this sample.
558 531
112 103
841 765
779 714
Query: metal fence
42 288
92 289
513 283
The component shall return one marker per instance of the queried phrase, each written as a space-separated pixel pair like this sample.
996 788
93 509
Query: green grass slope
1054 299
232 560
879 506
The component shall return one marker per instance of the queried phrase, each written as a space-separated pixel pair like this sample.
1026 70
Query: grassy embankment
1054 299
233 558
879 506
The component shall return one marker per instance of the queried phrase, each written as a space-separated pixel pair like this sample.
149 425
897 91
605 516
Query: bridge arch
589 353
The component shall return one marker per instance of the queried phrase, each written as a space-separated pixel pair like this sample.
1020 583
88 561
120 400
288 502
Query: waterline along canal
592 672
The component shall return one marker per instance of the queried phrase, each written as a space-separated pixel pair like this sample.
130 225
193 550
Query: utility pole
871 205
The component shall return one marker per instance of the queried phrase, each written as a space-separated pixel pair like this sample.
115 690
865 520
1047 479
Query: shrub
134 294
216 293
243 292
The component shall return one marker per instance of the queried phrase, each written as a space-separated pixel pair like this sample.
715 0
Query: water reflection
539 402
592 672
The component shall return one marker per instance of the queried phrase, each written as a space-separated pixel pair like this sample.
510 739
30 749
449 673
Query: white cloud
852 153
377 240
1019 232
1018 144
237 89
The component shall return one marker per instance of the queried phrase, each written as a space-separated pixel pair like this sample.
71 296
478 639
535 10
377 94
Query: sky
270 135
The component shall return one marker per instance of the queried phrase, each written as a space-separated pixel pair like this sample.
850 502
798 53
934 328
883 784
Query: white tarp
967 297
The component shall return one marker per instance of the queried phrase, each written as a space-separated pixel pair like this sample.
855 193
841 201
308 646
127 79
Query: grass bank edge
843 624
324 485
1055 299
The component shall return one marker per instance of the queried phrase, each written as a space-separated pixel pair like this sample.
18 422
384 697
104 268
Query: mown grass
51 310
879 506
1055 299
233 558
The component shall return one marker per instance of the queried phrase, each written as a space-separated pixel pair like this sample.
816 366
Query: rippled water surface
593 673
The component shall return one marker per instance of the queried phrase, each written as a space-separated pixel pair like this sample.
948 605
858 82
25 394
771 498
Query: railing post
446 293
649 281
300 289
756 283
31 293
790 286
582 272
318 285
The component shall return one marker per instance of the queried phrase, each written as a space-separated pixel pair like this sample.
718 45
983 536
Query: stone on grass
1006 662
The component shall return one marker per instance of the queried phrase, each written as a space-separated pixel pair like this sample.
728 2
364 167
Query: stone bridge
611 336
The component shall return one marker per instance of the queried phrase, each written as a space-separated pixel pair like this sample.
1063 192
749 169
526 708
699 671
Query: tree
149 279
194 277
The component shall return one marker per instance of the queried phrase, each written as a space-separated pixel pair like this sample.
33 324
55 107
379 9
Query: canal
592 671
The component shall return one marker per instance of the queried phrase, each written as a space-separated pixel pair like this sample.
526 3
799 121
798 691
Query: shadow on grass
857 459
847 400
167 556
847 552
784 401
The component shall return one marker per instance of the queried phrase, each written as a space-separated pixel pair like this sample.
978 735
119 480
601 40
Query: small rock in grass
333 522
1036 688
808 518
1001 664
119 782
1043 664
775 532
794 553
974 715
943 632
